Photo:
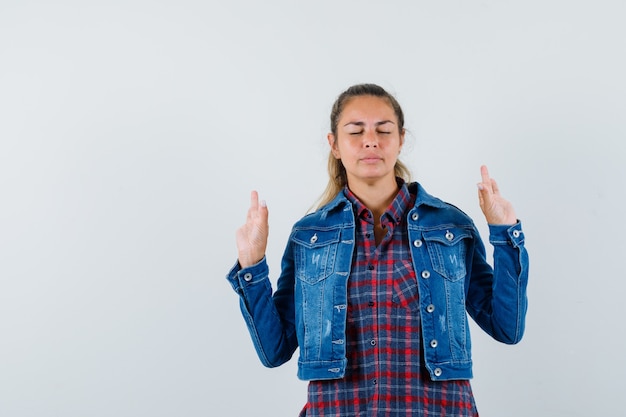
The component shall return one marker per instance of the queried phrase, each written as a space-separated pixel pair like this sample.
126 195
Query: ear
402 139
332 142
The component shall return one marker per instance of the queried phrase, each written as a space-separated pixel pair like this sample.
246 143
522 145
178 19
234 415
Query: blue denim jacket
308 308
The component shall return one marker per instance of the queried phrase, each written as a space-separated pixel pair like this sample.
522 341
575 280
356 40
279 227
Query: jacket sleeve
496 297
270 318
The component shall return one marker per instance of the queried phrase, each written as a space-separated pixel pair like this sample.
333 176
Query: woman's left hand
496 209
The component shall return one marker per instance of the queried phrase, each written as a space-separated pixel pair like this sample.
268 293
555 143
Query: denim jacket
308 308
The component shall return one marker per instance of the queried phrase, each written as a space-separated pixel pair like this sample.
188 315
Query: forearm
272 335
497 298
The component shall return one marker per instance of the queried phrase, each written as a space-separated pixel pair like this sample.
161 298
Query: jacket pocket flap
313 238
448 237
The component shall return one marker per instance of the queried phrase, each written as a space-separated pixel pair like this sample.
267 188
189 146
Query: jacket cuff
506 234
239 277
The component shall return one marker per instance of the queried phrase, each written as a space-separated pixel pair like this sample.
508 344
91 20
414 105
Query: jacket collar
424 198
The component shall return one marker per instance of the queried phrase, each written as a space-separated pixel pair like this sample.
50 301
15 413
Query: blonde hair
337 177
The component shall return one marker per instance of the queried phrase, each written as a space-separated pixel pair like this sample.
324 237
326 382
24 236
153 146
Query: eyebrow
382 122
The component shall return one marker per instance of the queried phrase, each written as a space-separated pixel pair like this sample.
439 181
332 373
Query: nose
370 140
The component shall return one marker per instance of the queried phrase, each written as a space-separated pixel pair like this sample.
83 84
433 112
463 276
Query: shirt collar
400 205
415 188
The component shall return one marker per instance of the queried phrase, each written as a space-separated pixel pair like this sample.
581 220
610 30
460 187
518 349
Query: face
368 140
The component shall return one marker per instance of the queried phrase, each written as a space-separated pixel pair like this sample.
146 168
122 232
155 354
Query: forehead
368 107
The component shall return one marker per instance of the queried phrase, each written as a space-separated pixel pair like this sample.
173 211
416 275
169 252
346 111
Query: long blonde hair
337 177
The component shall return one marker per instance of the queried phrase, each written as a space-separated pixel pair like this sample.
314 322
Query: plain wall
131 133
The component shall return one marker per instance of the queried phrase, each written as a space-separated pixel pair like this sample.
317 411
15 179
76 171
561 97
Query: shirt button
247 277
430 308
417 243
516 233
438 371
433 343
449 235
374 382
370 267
373 343
415 216
314 238
425 274
371 304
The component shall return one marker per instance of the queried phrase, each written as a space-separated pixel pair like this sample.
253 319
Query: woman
376 283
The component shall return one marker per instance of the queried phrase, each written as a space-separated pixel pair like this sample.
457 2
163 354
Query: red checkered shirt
386 375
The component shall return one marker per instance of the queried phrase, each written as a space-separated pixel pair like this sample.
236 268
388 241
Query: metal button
373 343
415 216
449 235
433 343
417 243
314 238
438 371
425 274
430 308
247 277
516 233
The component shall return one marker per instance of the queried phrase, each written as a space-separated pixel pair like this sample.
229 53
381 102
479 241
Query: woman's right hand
252 236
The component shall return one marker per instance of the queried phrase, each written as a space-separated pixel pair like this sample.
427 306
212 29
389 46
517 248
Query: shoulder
335 213
438 209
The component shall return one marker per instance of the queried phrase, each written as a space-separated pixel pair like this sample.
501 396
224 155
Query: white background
131 133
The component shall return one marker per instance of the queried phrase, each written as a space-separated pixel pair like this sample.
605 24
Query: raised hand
496 209
252 236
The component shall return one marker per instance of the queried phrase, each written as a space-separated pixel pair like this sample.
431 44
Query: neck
375 196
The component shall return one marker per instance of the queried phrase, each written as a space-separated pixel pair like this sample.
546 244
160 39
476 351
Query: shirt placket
370 336
380 299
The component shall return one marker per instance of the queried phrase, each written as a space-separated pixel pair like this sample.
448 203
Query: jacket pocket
447 249
315 253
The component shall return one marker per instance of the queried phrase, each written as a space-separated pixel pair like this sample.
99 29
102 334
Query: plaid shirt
386 375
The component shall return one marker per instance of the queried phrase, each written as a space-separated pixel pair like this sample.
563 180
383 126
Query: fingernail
263 203
480 186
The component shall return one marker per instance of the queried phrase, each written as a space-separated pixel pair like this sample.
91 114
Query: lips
370 159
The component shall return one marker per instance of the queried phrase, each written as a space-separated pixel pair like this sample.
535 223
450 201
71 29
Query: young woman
376 284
